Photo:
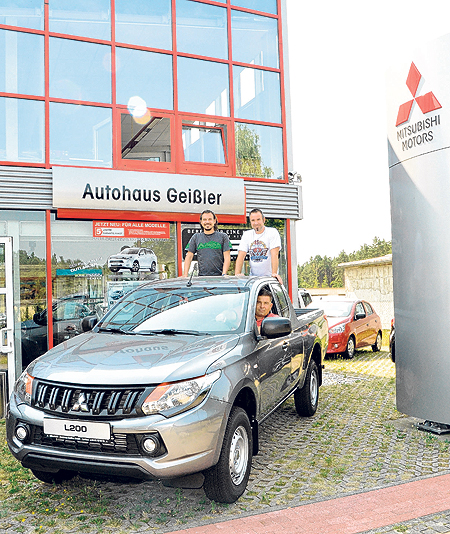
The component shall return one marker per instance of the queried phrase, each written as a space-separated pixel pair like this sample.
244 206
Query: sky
339 53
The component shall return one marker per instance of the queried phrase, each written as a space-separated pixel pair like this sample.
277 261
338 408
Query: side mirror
359 316
273 327
88 323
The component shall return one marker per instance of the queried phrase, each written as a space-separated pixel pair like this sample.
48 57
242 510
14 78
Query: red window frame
133 164
204 168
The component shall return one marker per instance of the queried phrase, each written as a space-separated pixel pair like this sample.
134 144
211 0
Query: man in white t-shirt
262 245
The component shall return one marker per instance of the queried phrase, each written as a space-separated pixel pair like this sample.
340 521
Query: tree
325 272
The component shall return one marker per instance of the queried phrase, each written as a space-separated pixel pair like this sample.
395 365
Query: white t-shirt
258 247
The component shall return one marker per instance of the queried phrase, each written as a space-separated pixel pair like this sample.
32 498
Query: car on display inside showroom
134 259
172 383
353 324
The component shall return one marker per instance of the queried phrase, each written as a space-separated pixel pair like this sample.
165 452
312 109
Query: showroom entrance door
7 358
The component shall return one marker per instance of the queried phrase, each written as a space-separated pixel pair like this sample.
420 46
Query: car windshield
206 310
130 251
337 309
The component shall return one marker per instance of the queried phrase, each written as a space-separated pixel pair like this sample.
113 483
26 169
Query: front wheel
135 267
377 346
307 398
226 481
350 350
153 267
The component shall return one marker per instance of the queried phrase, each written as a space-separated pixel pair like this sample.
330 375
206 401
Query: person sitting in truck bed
264 304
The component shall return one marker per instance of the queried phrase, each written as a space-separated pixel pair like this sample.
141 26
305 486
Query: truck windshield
208 310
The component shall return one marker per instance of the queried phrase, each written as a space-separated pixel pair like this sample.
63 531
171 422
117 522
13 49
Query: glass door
7 359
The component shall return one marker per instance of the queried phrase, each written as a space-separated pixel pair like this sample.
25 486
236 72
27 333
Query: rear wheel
307 398
227 480
114 269
377 346
50 478
350 350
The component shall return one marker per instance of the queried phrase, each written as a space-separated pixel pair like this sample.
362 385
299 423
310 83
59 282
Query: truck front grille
118 444
96 402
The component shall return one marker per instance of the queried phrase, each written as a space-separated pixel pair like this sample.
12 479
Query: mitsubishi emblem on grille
81 404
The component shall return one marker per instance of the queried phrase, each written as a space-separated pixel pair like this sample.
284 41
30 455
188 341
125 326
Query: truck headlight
338 329
23 387
172 398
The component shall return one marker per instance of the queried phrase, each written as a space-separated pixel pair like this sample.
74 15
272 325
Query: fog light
22 432
151 445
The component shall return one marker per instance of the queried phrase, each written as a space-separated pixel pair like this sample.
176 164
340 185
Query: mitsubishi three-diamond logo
426 103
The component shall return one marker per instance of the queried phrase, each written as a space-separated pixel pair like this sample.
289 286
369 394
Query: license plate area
77 430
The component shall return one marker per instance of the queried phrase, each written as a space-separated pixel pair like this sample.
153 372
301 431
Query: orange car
352 324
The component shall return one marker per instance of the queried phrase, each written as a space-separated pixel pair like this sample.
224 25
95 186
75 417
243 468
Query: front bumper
192 442
337 343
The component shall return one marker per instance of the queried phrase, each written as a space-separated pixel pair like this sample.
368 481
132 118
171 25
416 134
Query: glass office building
120 121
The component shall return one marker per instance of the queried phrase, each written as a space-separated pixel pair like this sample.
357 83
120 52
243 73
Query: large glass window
268 6
22 13
255 39
80 71
145 141
259 151
203 87
21 130
27 229
144 23
204 142
202 29
92 273
88 18
80 135
146 75
257 94
21 63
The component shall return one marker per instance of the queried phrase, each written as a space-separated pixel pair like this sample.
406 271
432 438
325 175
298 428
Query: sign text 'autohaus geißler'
102 189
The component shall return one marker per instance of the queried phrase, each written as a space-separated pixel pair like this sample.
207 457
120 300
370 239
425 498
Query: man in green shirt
212 248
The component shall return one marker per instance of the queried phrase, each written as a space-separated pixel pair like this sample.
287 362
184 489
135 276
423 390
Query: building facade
371 280
120 122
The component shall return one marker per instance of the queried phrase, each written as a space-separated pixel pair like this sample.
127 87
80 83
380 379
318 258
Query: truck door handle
285 345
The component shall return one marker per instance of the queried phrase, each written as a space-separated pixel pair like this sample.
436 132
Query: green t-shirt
209 249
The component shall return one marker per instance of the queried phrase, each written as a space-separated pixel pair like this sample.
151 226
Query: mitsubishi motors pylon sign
418 119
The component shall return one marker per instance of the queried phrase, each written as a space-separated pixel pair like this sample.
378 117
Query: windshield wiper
116 331
174 332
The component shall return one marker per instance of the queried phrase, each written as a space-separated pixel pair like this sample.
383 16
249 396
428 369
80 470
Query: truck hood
115 359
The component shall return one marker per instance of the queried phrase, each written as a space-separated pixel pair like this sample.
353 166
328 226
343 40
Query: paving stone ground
357 444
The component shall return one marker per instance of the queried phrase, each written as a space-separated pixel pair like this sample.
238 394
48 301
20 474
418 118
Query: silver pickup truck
173 382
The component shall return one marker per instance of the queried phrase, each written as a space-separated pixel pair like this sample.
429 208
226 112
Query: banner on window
131 229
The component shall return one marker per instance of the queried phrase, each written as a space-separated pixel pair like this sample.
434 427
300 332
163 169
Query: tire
377 346
135 267
153 267
50 478
226 481
114 269
350 350
307 398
